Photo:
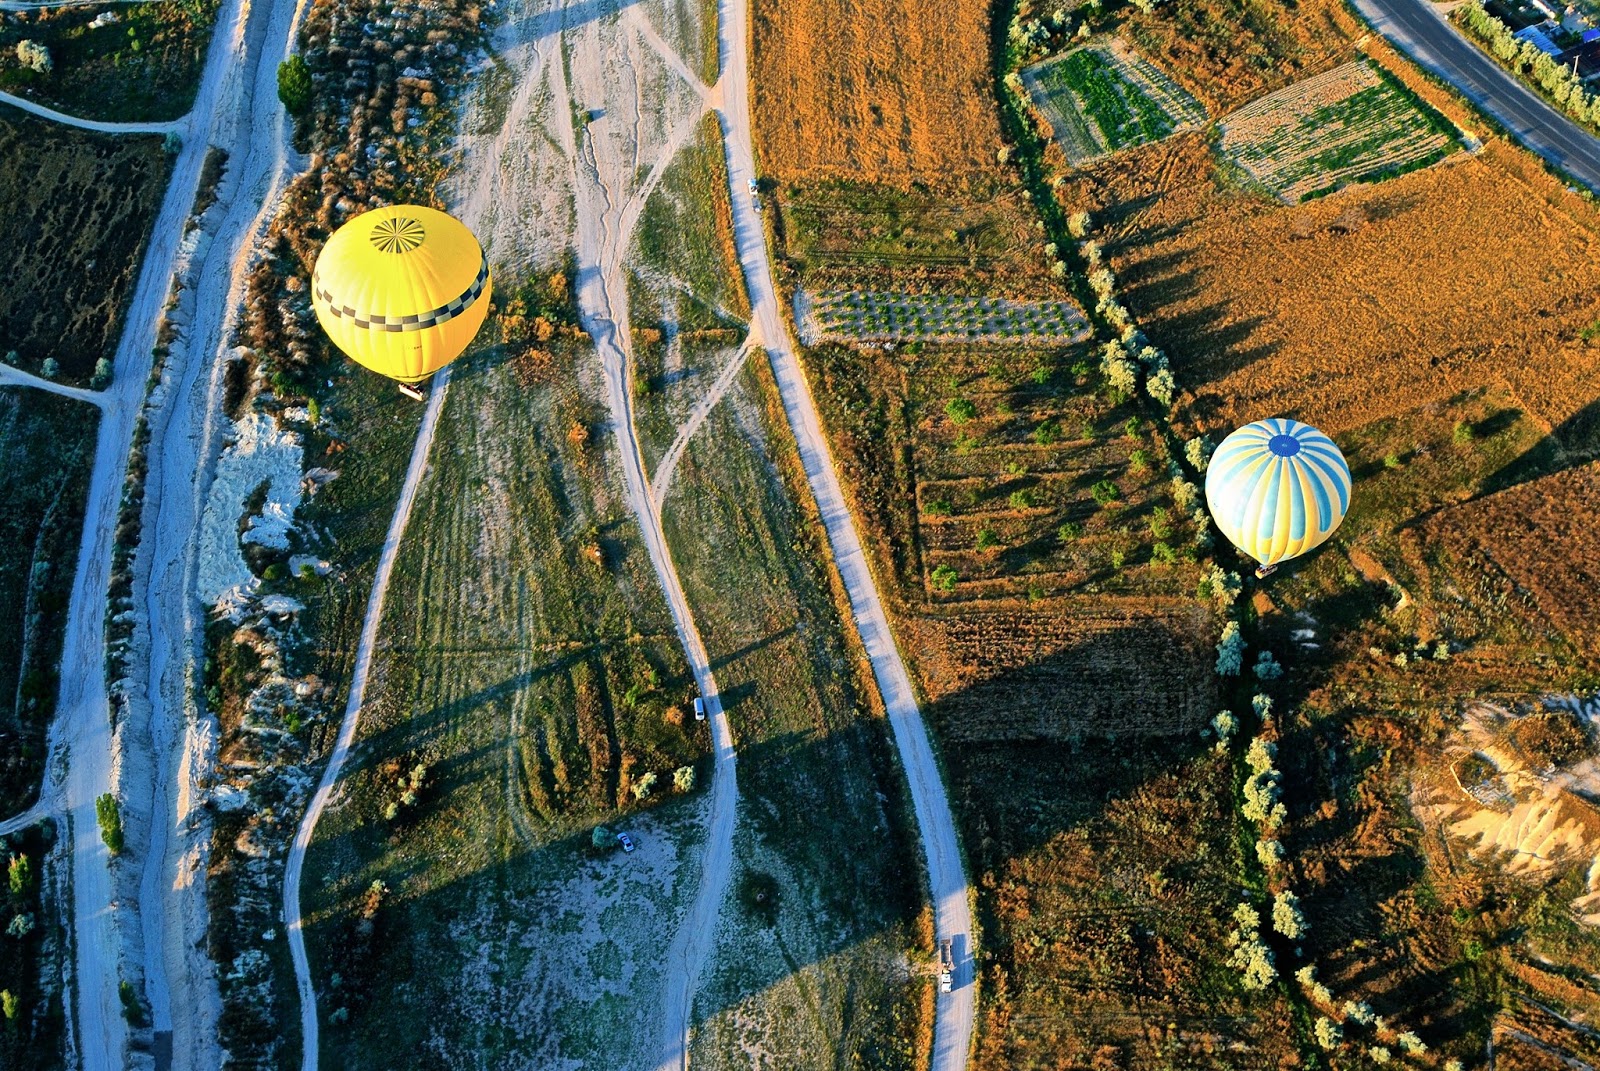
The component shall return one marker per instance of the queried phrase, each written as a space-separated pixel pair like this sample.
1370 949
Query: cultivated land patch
899 317
1350 124
79 208
46 450
1102 98
115 62
833 99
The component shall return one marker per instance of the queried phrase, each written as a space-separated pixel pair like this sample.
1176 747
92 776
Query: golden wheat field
878 90
1482 271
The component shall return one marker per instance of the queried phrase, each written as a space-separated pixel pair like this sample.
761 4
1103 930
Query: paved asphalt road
1416 27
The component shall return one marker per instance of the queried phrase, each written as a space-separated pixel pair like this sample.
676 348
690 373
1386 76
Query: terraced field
873 316
1350 124
1106 97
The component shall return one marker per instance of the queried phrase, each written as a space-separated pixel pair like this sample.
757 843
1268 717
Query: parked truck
947 965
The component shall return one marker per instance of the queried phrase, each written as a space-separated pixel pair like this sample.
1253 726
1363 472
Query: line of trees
1557 81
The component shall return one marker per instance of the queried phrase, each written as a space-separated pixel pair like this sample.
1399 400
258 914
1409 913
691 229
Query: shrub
644 786
102 375
1139 460
938 507
1269 853
944 579
1287 918
1163 553
1105 492
1049 432
683 779
1463 433
1409 1042
21 926
1185 495
110 818
50 369
294 85
1379 1054
1358 1011
1119 557
1161 387
987 540
960 410
1391 461
1225 586
19 875
1329 1033
35 57
601 838
1230 650
8 1004
1021 499
172 144
1159 525
1321 994
1078 224
1058 270
1198 452
1069 531
1267 667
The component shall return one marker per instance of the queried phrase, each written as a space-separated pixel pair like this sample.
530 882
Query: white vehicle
755 194
947 965
699 709
626 842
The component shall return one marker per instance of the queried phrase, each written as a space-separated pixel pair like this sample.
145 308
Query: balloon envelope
1277 488
402 290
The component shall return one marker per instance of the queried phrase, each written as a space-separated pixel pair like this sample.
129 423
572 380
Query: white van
699 709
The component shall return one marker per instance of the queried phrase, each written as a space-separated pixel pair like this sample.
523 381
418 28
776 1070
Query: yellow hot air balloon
1277 488
402 290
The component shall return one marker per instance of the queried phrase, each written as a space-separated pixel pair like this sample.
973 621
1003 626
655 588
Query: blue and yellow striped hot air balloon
1277 488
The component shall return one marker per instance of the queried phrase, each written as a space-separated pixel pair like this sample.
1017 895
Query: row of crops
872 316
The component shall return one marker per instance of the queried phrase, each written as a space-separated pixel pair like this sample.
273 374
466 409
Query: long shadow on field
1097 822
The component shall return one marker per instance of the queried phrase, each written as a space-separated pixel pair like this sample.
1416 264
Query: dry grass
881 90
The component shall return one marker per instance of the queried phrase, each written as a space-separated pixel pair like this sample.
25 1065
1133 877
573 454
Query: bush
944 579
1161 387
8 1004
102 375
1021 499
960 410
1224 725
1287 918
1391 461
644 786
1329 1033
601 838
1267 667
1049 432
172 144
1463 433
21 926
50 369
35 57
1269 853
110 818
1069 531
987 540
19 874
294 85
683 779
1078 224
1105 492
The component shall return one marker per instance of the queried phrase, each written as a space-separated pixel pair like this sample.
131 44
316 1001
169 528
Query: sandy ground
352 716
946 874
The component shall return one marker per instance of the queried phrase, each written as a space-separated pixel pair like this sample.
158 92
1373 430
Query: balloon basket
412 391
1265 571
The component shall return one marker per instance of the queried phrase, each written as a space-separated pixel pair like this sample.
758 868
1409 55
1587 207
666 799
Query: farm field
850 315
831 99
80 206
1102 98
819 973
47 449
1439 326
1347 125
143 65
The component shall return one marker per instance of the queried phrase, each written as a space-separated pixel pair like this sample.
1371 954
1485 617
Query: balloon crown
397 235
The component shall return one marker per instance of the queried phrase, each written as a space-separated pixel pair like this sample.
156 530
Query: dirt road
92 124
292 875
16 377
608 201
168 743
946 874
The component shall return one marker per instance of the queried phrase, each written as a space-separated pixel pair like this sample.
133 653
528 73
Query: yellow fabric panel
402 290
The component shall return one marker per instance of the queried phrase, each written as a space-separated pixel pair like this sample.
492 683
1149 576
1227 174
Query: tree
1198 452
102 375
35 57
1267 667
643 787
1069 531
944 579
1261 755
1224 725
1105 492
1078 224
294 85
1161 387
683 779
1230 650
601 838
987 540
1329 1033
8 1004
1379 1054
1409 1042
21 926
960 410
110 818
50 369
20 874
1269 853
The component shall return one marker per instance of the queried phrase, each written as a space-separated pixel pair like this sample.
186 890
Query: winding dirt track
90 124
293 924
